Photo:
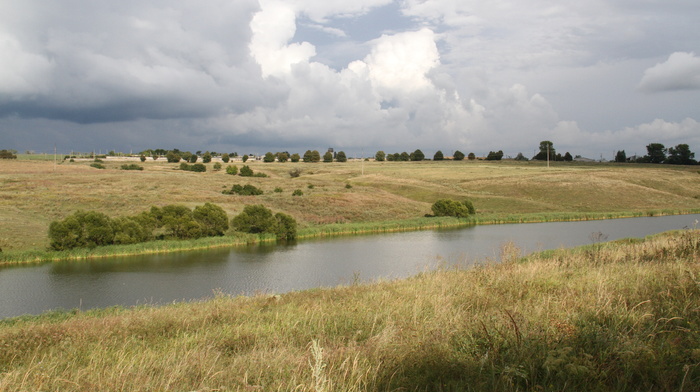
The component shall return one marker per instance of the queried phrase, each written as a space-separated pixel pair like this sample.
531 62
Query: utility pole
547 155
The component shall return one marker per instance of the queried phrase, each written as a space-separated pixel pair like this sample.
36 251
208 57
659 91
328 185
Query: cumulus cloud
366 74
680 72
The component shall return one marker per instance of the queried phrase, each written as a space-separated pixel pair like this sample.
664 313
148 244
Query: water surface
159 279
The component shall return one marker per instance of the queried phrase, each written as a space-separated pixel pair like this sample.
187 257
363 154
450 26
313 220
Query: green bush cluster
6 154
449 207
245 190
132 166
88 229
97 165
197 167
258 219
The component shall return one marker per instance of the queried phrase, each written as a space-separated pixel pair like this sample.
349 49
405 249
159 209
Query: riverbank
235 239
338 198
617 316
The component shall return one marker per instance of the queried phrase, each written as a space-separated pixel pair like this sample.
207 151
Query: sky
252 76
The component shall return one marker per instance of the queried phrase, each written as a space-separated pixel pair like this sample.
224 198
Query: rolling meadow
616 316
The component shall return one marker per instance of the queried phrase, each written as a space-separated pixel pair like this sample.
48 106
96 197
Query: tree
142 158
471 156
568 157
520 157
547 151
458 155
621 156
656 153
681 155
438 156
417 155
328 157
7 154
269 157
295 157
206 158
172 157
225 158
404 156
245 158
212 219
282 156
380 156
494 155
341 157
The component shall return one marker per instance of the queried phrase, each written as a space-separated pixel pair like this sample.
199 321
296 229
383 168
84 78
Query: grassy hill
33 193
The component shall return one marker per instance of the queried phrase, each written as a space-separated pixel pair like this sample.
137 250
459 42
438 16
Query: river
161 279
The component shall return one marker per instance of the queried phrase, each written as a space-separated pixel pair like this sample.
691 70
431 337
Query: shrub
142 158
286 228
328 157
438 156
255 219
269 157
259 219
245 158
297 192
296 172
217 166
198 167
172 157
245 190
246 171
212 219
278 190
6 154
82 229
178 221
225 158
206 158
458 155
341 157
282 156
131 166
295 157
310 186
449 207
232 170
380 156
132 230
348 186
97 165
471 156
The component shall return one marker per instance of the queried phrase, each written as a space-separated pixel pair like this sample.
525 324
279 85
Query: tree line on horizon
656 153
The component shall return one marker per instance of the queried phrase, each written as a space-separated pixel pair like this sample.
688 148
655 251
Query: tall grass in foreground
623 316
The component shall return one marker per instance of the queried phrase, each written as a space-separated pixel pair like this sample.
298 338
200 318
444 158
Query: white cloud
680 72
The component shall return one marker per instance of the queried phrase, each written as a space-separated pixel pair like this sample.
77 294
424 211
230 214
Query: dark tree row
658 153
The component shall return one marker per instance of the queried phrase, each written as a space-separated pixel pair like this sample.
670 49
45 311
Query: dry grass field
33 193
